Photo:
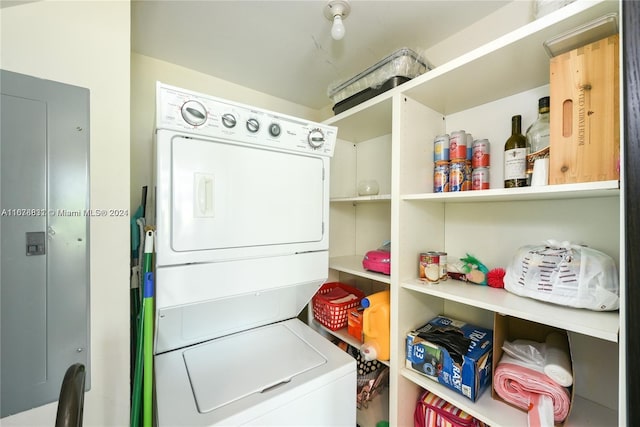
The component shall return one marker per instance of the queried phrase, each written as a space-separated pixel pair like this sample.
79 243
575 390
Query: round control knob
253 125
194 113
315 138
274 130
229 120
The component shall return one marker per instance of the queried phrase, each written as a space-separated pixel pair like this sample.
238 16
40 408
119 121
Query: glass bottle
538 136
515 156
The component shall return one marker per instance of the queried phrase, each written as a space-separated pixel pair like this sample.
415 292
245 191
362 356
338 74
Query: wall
87 44
145 71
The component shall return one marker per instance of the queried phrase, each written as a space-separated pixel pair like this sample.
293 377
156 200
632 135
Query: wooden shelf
375 112
353 265
473 92
362 199
449 89
603 325
547 192
343 335
497 413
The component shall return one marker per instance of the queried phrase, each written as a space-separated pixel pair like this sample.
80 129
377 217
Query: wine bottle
515 156
538 137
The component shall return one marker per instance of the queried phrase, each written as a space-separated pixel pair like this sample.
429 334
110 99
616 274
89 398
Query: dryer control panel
193 113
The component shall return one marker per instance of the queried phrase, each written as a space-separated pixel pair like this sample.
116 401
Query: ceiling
284 48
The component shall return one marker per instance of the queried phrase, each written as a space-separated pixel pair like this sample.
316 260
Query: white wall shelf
487 73
547 192
353 265
389 138
343 335
603 325
497 413
362 199
376 112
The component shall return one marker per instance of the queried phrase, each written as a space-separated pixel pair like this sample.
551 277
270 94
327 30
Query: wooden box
585 114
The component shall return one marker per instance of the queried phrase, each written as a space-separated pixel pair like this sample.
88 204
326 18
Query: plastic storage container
376 326
397 68
332 303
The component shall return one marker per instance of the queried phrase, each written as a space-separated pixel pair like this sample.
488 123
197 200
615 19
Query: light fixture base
337 7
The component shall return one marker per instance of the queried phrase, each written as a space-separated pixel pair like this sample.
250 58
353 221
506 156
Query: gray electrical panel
44 230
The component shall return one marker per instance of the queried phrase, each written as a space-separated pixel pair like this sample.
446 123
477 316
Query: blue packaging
442 357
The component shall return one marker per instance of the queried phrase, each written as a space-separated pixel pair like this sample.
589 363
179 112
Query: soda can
429 267
480 179
441 148
442 263
456 175
469 146
466 179
441 177
458 145
480 156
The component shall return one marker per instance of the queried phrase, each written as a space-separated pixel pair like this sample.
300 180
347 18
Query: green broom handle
148 293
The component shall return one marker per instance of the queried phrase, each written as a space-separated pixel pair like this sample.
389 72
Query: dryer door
230 201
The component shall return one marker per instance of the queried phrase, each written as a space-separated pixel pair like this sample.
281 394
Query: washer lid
230 368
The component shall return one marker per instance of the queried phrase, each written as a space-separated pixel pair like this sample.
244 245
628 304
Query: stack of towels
535 377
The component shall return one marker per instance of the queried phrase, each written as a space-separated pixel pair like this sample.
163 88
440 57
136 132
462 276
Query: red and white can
480 179
429 267
480 154
458 145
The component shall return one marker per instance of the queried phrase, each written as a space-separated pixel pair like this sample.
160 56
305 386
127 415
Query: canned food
458 145
466 180
442 263
480 179
480 156
441 177
429 267
456 175
441 148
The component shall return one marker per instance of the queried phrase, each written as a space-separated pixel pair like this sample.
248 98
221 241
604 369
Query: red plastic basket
334 315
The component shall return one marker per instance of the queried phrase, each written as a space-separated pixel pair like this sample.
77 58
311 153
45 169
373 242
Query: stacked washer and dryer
242 210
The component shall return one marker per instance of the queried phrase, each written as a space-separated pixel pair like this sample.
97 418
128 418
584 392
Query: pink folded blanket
522 386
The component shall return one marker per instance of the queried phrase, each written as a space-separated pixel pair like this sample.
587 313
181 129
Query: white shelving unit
390 138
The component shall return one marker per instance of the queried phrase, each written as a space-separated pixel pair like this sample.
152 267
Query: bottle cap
368 352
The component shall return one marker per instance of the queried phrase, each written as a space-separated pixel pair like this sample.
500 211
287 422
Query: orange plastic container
375 326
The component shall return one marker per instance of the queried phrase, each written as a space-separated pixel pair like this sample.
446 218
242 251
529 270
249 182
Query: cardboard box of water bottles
453 353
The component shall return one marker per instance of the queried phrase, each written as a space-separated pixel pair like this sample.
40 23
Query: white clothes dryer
242 217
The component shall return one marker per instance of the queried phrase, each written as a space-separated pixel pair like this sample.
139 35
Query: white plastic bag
566 274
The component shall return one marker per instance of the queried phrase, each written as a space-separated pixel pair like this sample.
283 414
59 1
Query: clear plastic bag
565 273
552 357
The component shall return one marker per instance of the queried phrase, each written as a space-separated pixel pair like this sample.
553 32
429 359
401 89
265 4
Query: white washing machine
241 247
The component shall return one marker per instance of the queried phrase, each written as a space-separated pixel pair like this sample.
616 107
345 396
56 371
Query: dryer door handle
204 188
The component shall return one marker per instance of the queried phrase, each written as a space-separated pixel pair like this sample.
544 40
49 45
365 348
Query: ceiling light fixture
336 11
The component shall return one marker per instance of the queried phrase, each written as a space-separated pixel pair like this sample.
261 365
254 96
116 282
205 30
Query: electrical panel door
44 275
